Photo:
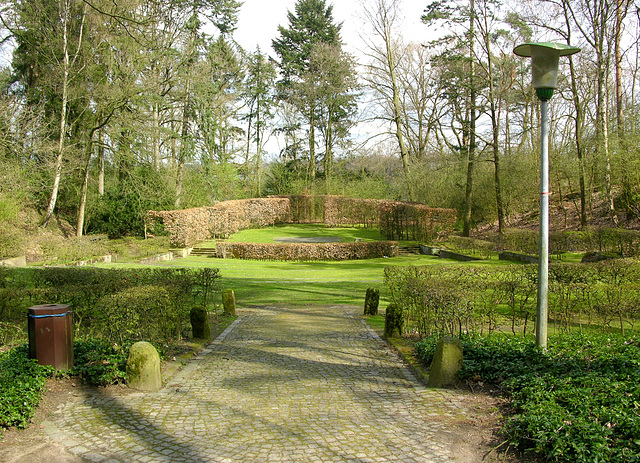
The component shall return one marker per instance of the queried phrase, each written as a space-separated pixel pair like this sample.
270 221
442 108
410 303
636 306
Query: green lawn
313 283
267 235
306 283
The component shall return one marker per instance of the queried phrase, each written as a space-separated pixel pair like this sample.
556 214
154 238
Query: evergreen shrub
578 401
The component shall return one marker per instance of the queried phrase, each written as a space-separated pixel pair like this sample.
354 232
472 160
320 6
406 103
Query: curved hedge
395 219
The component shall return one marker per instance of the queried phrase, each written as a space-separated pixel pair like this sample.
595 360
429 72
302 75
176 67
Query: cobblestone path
279 385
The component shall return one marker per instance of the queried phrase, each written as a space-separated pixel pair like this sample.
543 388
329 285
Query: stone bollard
393 320
371 301
229 302
143 367
200 323
446 362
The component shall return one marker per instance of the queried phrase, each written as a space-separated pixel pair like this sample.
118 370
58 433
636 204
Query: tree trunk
101 165
156 136
184 144
579 149
471 147
311 174
66 65
621 6
85 186
602 127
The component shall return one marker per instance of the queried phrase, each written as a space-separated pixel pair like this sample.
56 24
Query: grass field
269 234
305 283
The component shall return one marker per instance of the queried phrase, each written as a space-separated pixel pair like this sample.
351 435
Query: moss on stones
143 367
200 328
446 362
229 302
371 301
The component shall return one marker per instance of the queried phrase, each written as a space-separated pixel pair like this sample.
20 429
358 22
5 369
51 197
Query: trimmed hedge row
452 299
622 242
114 304
306 251
394 219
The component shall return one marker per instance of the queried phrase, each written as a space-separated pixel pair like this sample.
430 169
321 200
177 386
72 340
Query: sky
258 22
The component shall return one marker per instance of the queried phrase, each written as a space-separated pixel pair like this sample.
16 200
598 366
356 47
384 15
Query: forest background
111 108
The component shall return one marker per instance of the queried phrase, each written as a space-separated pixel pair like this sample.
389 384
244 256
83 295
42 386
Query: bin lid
49 309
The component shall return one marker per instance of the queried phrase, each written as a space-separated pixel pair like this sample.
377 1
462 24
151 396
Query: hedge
395 219
306 251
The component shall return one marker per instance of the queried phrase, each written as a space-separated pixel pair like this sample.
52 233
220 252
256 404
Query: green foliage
434 299
579 401
122 209
147 312
100 362
472 246
452 300
22 383
115 304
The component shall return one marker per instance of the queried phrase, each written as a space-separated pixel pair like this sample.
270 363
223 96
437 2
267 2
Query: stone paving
279 385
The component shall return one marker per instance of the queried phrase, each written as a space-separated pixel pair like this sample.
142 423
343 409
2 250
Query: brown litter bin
50 341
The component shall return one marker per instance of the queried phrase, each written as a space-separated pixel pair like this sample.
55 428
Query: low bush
99 362
473 246
147 312
22 383
579 401
453 300
117 304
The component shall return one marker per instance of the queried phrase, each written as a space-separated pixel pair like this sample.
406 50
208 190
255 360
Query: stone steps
409 250
208 252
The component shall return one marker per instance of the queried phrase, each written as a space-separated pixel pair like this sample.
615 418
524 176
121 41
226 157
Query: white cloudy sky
258 23
259 19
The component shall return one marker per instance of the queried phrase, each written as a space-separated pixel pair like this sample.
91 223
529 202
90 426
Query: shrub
308 252
22 383
147 312
434 299
472 246
96 296
579 401
99 362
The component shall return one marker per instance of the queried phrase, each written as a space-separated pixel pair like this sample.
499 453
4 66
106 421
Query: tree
593 18
384 53
259 97
461 50
50 43
336 92
312 24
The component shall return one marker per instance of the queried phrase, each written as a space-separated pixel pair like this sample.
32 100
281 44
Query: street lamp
544 66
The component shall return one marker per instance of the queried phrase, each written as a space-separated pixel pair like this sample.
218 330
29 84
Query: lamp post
544 66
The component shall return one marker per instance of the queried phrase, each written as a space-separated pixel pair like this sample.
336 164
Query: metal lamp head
544 64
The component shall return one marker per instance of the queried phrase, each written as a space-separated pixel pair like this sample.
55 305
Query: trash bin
50 341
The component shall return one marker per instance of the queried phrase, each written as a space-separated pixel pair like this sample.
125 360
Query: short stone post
200 323
143 367
371 301
393 320
229 302
446 362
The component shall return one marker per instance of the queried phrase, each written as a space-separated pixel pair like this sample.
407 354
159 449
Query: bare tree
384 51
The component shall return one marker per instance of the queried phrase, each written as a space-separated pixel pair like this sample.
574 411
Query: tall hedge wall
189 226
396 220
